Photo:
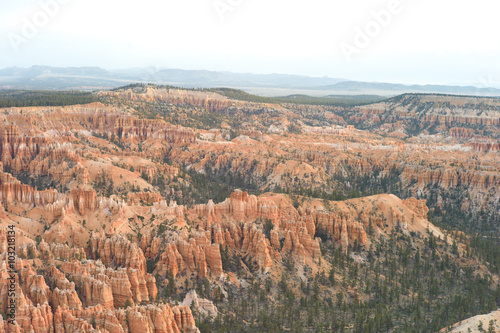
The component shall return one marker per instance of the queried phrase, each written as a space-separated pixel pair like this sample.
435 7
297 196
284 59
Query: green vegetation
488 249
405 284
340 100
41 183
483 221
25 98
103 184
191 187
240 95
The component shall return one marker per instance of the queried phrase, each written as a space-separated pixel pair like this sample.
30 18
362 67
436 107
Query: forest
25 98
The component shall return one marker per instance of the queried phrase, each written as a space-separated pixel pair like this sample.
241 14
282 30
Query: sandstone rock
35 318
117 250
418 206
201 305
84 199
148 198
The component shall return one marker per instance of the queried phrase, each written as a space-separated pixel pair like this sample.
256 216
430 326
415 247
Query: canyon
117 203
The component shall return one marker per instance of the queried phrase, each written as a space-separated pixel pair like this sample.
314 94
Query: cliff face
152 318
239 207
93 191
66 145
117 251
459 120
147 198
195 255
150 171
111 288
451 111
485 147
238 225
85 295
418 206
42 145
149 318
38 155
130 128
209 101
16 195
84 200
267 228
17 151
451 178
461 132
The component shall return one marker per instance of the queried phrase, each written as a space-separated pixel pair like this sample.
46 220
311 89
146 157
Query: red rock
117 250
418 206
84 199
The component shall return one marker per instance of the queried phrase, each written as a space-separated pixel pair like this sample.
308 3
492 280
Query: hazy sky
407 41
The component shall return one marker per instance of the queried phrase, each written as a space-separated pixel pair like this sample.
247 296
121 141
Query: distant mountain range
91 78
394 88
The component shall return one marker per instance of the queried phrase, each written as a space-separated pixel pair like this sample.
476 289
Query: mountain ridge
91 78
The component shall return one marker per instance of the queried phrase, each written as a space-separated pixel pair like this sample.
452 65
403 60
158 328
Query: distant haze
94 78
418 42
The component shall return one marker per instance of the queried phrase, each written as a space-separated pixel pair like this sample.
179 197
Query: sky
400 41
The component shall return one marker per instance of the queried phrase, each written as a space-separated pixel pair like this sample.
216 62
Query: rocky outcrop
450 120
23 149
35 318
253 242
16 193
64 293
201 254
418 206
149 318
84 199
170 209
130 128
60 251
450 178
94 292
449 111
68 321
86 296
117 251
201 305
196 255
34 286
119 286
7 178
461 133
240 207
25 152
485 147
104 285
16 150
144 198
232 225
55 204
207 100
151 171
161 318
